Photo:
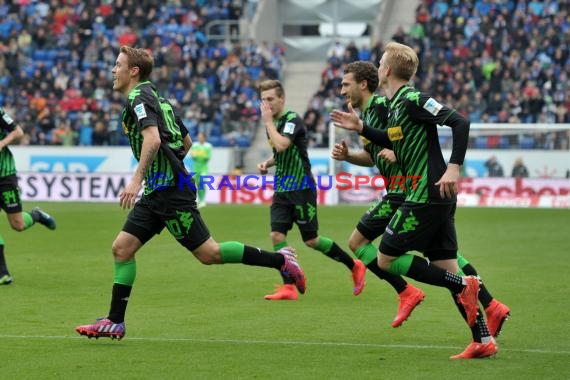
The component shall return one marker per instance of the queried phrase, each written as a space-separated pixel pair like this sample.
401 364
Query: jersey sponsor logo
7 119
289 128
140 111
432 106
395 133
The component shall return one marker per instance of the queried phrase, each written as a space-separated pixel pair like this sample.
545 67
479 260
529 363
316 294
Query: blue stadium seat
526 142
480 142
243 141
214 140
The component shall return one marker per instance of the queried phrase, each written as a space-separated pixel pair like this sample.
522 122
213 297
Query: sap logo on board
66 164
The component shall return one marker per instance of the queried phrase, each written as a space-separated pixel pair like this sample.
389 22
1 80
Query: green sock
231 252
278 246
28 220
401 265
324 245
461 261
367 253
125 272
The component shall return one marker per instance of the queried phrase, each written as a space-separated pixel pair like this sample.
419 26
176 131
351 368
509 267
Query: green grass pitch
189 321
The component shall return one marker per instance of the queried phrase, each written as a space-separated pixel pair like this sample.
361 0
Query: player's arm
149 149
341 152
430 111
12 136
187 141
350 121
280 143
265 165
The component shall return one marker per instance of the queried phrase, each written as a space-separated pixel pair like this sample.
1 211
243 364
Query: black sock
261 258
479 329
421 270
3 267
484 296
336 253
119 302
397 282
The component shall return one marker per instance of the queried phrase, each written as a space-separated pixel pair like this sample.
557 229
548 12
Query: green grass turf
189 321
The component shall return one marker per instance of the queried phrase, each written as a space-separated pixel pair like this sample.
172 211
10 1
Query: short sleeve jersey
412 128
144 108
7 163
375 115
292 166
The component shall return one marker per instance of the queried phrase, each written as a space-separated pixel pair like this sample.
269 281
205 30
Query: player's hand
266 113
340 151
128 196
262 167
347 120
449 182
388 155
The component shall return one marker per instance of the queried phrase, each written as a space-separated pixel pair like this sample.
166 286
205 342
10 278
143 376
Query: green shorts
373 223
299 207
172 208
10 194
427 228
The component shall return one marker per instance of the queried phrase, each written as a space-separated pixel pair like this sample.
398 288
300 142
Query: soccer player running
425 222
295 196
201 152
11 131
159 142
359 82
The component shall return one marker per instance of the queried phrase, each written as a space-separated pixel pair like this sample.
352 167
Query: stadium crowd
56 59
500 61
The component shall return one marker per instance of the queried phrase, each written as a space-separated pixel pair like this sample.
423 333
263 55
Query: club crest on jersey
140 111
289 128
432 106
395 133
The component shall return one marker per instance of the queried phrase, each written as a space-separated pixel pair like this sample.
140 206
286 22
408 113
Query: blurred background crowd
494 61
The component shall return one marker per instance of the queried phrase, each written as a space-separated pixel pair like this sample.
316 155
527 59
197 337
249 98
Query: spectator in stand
68 52
494 168
519 169
498 47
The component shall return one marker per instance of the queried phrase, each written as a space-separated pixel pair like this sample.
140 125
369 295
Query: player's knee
206 259
276 237
384 263
353 245
208 253
18 225
311 243
121 252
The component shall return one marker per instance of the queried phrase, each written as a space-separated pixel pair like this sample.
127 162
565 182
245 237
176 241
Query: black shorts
377 217
173 208
10 194
298 207
427 228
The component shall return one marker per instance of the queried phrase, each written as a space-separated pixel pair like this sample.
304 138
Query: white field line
287 343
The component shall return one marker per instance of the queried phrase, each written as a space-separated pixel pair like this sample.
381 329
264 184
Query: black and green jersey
144 108
375 115
292 166
412 128
7 164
